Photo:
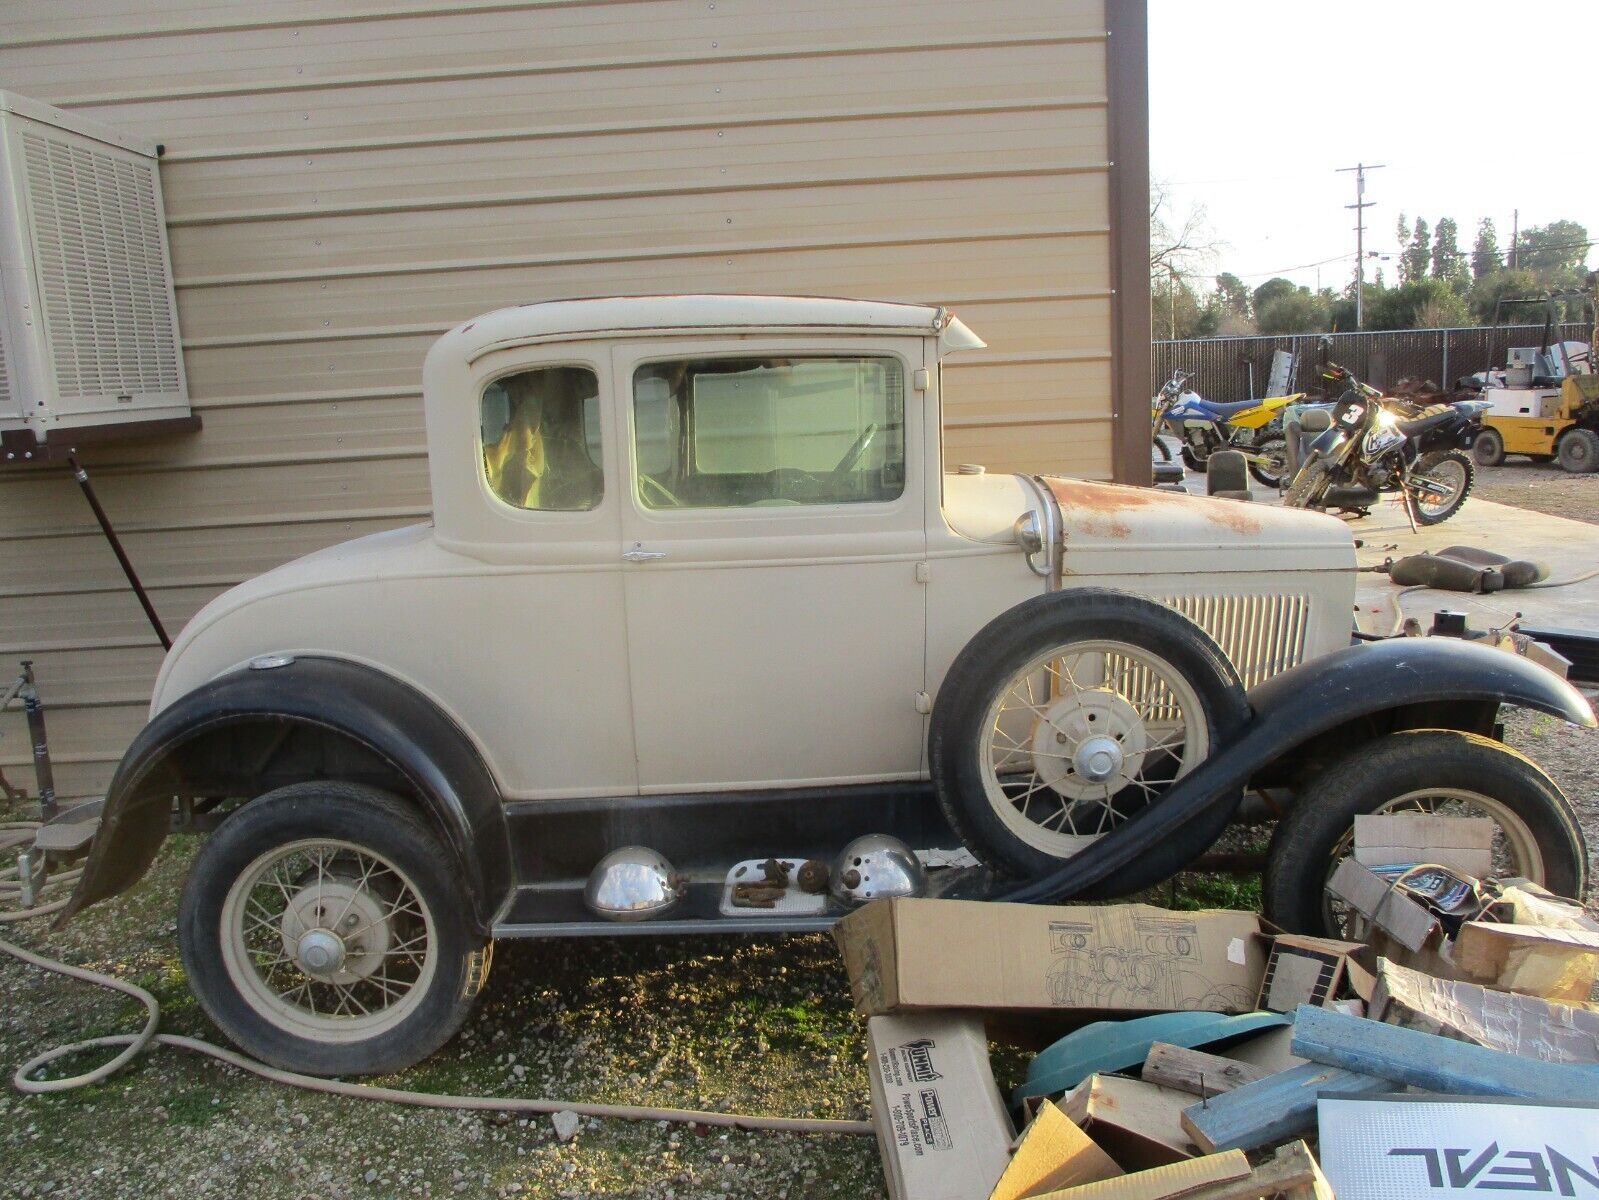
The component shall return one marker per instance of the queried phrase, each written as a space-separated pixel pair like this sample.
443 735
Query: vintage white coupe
701 609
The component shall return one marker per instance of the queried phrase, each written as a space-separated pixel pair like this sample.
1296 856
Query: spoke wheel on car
1084 736
329 939
325 927
1067 717
1431 771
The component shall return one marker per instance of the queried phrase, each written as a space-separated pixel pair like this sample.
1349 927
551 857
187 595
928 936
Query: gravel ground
1544 489
736 1023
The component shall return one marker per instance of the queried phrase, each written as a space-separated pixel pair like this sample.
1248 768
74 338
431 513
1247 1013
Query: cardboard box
1463 844
910 955
1138 1124
1305 970
1522 1025
1555 964
1053 1154
1409 923
942 1129
1227 1172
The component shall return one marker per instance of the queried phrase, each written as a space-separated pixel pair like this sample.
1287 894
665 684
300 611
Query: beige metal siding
345 179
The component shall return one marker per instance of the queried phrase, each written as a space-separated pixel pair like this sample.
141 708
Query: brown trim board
1127 72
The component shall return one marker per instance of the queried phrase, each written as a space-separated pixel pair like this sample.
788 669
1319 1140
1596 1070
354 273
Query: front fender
1291 708
390 721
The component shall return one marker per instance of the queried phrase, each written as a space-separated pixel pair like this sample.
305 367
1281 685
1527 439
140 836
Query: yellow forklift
1544 401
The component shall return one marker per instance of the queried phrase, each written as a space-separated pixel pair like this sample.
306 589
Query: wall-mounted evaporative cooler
89 346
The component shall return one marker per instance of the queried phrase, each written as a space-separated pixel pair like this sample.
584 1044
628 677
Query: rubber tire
367 817
1310 482
1192 461
1578 451
1263 476
1489 448
1004 646
1298 858
1425 463
1160 450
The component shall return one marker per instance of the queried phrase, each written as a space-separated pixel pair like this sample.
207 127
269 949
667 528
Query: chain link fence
1239 368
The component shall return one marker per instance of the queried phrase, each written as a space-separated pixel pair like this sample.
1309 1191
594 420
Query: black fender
396 725
1291 708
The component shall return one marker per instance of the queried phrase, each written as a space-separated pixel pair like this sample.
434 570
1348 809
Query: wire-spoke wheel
324 928
327 938
1441 772
1084 736
1070 715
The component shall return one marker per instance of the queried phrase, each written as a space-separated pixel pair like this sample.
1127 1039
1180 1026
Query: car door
774 538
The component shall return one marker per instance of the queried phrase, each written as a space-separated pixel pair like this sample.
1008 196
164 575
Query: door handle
637 553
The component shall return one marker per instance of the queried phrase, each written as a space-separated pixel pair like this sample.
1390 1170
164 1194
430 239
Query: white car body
626 650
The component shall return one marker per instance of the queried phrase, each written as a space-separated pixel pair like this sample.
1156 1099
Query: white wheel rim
1084 736
327 940
1515 849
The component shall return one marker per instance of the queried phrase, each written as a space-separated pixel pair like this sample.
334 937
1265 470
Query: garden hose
18 833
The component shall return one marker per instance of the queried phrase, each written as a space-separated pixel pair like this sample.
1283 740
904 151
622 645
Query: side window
745 432
541 439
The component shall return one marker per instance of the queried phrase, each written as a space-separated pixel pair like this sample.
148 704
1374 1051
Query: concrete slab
1569 548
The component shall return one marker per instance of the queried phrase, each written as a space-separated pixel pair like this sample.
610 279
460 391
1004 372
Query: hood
1112 527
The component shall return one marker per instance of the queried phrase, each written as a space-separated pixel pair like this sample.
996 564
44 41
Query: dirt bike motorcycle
1206 426
1376 444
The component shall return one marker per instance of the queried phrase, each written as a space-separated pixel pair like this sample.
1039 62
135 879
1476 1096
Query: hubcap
1098 759
320 952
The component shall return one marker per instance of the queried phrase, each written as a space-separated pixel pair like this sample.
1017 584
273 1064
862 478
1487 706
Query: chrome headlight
633 884
876 867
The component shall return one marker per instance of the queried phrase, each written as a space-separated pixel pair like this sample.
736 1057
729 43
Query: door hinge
924 703
920 379
922 572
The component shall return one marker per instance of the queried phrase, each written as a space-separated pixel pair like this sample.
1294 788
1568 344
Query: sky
1477 109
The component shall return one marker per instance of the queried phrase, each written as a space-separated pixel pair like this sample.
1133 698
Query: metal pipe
42 769
82 477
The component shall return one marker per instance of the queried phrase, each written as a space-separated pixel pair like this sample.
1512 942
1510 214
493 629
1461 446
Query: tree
1295 311
1272 289
1420 304
1485 257
1557 248
1487 291
1448 263
1413 259
1232 294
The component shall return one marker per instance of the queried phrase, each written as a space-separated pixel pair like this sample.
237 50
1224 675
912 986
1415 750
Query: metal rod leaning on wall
82 477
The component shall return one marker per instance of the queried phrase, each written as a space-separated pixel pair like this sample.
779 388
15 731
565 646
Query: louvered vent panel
8 402
1262 634
101 272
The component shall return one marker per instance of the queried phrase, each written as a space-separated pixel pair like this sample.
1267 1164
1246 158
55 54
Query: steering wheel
652 485
852 456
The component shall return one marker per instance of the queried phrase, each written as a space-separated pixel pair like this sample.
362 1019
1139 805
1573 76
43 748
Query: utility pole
1515 234
1360 205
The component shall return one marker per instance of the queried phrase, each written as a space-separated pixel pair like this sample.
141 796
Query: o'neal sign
1422 1148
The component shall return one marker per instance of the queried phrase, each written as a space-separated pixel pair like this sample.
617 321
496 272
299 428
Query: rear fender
1369 680
348 713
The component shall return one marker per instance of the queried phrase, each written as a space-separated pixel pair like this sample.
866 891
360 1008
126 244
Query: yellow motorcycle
1203 426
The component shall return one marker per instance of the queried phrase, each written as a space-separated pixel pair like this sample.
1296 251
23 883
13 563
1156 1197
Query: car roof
666 316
